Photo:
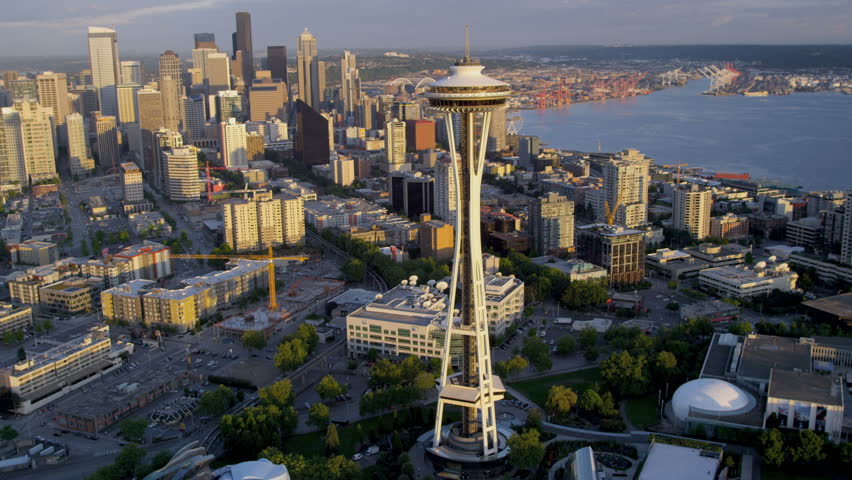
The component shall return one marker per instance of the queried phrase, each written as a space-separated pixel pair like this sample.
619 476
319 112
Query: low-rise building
834 310
182 308
70 297
827 270
406 320
713 310
14 318
746 282
240 279
504 302
48 375
729 226
806 401
576 269
24 286
620 250
804 232
32 252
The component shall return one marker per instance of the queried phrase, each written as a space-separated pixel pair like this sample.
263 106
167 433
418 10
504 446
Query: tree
318 415
741 328
216 401
279 394
8 433
590 401
591 354
291 354
527 449
807 447
537 352
372 355
625 373
354 270
534 419
749 258
772 421
584 295
588 338
665 364
772 443
566 345
256 428
385 372
410 366
332 440
560 400
424 381
307 333
22 354
329 388
254 340
133 429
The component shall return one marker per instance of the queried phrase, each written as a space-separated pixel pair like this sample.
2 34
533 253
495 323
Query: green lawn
642 411
536 389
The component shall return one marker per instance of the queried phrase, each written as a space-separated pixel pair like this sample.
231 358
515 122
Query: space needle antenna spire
467 42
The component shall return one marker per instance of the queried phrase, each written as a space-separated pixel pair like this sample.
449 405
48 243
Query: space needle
475 445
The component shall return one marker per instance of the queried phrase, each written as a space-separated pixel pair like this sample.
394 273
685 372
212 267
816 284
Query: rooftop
805 387
609 230
256 320
94 336
670 462
762 353
240 266
132 288
416 305
142 248
742 274
838 305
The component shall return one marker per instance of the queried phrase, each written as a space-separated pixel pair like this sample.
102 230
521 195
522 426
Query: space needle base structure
475 447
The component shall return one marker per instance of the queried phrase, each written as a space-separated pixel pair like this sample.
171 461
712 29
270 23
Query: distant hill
768 56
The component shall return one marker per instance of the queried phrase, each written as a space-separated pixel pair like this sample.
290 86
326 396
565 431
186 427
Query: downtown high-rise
242 43
350 87
691 210
307 67
104 63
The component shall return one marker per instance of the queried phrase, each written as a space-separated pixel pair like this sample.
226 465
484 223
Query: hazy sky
45 27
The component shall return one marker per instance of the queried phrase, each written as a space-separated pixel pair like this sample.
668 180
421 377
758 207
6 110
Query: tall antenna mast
467 42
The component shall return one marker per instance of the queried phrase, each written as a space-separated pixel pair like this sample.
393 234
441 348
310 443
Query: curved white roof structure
711 396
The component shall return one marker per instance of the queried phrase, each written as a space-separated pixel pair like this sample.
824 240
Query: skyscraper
170 65
243 43
267 100
37 132
205 40
311 143
180 173
127 102
497 132
322 70
232 138
276 59
150 112
445 192
475 443
103 60
131 72
53 93
846 242
13 168
79 158
171 97
307 69
691 210
131 183
342 170
394 145
625 190
229 104
552 223
107 141
217 73
350 87
194 113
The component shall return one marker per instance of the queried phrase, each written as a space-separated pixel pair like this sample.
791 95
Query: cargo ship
761 93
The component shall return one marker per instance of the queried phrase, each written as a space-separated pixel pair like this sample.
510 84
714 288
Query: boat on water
761 93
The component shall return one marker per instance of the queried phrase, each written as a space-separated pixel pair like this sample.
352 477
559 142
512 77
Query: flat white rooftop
670 462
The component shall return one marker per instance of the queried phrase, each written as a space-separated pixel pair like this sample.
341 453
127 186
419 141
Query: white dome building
710 396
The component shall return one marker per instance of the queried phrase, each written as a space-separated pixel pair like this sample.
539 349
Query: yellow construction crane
273 301
678 169
610 212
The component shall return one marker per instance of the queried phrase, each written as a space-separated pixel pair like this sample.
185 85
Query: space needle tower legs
473 96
